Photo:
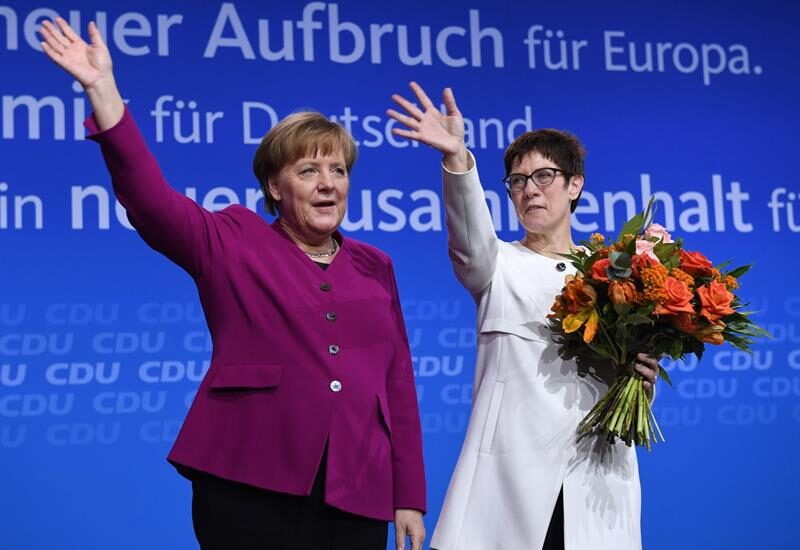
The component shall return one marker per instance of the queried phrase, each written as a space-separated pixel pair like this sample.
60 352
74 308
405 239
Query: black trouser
555 532
233 516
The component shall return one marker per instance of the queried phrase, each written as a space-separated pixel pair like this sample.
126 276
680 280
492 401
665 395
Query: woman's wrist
458 161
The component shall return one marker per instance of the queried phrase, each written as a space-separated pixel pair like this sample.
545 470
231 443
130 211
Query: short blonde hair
303 134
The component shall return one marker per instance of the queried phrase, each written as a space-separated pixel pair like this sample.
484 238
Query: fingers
423 98
648 360
94 35
66 30
647 372
450 102
50 51
399 536
412 109
405 133
416 542
53 37
412 123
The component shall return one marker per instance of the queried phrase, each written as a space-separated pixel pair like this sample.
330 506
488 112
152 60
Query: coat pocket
491 417
383 410
247 377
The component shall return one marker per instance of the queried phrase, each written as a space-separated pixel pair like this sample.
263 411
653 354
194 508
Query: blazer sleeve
168 221
408 470
471 238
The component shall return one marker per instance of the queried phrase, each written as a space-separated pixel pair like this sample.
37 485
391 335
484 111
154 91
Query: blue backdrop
102 341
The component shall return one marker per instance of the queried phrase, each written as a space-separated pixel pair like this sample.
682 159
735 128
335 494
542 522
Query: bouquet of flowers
643 293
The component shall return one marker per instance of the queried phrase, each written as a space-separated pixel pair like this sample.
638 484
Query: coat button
330 316
561 266
336 386
325 287
333 349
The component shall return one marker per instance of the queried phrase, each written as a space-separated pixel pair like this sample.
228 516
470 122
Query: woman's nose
530 189
325 180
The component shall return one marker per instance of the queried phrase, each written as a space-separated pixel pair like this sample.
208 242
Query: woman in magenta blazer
305 431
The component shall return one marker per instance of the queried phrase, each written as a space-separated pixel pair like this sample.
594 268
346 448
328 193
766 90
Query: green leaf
672 262
664 251
696 346
620 260
622 309
638 319
636 224
739 271
664 375
676 348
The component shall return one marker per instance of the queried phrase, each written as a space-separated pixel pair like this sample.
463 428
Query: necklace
325 254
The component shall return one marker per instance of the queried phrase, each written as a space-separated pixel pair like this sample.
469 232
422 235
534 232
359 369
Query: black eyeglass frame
556 171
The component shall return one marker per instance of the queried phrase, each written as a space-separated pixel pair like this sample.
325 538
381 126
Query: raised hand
444 132
90 64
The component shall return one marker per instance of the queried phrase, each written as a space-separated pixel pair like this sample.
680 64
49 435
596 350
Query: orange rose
599 269
715 301
711 334
621 292
678 298
695 264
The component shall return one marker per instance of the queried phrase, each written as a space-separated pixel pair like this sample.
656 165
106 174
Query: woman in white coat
523 479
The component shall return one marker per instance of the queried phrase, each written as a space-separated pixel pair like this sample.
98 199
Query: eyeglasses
540 178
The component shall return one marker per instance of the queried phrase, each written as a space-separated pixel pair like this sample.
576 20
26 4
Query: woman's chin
324 225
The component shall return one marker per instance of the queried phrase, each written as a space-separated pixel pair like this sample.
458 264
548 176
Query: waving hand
442 131
90 64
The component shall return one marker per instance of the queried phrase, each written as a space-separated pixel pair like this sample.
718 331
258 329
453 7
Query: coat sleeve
471 238
168 221
408 470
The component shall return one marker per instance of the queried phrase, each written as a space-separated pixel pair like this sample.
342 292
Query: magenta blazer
301 356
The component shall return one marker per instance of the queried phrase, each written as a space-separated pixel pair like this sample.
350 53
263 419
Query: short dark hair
563 148
301 134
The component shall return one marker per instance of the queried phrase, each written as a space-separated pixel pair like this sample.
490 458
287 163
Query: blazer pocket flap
384 414
247 377
528 331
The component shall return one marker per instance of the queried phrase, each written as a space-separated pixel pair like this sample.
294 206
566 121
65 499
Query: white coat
521 447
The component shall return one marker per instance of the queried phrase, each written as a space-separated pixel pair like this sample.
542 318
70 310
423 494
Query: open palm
442 131
89 64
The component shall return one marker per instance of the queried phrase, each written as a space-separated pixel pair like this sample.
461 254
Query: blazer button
330 316
333 349
336 386
325 287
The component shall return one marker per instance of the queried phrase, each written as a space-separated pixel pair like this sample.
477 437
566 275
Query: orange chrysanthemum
681 275
597 238
653 279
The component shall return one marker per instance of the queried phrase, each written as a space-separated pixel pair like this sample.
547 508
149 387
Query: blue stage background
102 341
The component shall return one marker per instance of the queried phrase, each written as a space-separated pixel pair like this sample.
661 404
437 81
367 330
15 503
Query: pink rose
658 231
645 248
